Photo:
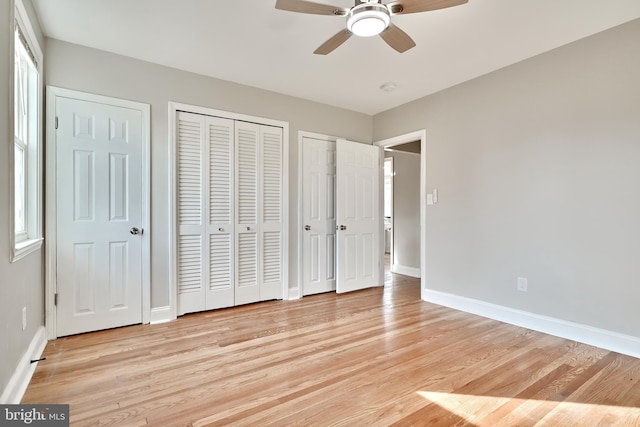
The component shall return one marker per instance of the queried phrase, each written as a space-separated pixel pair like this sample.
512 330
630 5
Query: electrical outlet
24 318
522 284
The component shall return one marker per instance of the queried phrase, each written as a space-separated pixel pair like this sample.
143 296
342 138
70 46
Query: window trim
21 248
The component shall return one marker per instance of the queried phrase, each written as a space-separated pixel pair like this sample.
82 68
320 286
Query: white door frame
51 272
174 107
403 139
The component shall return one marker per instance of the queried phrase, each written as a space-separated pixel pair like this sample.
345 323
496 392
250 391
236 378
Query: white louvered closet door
271 227
259 213
220 229
230 212
247 156
191 224
205 159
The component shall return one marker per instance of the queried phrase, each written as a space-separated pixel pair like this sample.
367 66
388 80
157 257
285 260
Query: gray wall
21 282
406 209
538 171
89 70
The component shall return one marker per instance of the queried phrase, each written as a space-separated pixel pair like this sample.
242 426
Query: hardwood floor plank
494 416
393 378
374 357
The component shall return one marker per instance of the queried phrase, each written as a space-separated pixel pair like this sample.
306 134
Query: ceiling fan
368 18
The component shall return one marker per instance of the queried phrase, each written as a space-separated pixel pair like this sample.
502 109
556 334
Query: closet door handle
343 227
307 227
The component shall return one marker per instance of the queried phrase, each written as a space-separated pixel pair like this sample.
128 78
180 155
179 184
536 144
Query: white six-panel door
358 217
99 204
318 216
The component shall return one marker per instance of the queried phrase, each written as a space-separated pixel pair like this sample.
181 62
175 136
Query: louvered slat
272 177
189 173
272 257
220 261
247 165
189 264
247 260
220 173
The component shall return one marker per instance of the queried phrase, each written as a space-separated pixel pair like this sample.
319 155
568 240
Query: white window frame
31 239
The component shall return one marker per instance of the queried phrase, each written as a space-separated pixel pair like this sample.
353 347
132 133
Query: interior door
358 216
271 213
318 216
205 212
260 213
247 286
230 211
220 207
99 216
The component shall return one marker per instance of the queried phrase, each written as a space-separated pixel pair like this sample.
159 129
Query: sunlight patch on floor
480 409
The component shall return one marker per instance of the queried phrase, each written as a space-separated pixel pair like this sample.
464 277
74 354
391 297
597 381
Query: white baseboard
160 315
19 381
294 293
405 271
602 338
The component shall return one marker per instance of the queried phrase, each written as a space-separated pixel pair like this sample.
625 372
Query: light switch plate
522 284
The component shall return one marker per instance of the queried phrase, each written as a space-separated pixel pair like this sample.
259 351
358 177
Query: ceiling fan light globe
368 19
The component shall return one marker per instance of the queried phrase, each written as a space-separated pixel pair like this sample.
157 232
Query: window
27 134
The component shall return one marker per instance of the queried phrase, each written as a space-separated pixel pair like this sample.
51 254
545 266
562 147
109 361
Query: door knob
307 227
343 227
135 231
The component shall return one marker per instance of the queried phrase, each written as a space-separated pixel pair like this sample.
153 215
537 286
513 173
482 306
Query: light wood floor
374 357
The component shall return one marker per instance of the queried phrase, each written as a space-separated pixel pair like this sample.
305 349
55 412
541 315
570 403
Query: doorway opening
404 204
388 173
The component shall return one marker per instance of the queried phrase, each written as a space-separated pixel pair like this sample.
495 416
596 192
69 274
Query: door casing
51 199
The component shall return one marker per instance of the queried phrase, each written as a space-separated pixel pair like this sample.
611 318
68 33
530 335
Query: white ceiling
250 42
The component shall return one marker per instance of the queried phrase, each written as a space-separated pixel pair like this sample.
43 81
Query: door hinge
56 122
55 299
